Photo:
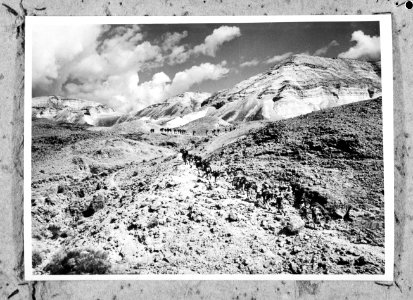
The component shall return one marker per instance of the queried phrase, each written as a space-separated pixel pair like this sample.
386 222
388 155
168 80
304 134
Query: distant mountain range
298 85
76 111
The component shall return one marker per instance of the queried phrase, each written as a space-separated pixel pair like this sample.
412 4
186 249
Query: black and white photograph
226 147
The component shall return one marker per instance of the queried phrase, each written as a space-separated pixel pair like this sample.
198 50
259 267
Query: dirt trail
182 223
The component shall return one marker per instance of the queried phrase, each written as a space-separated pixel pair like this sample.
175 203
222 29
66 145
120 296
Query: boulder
294 225
233 217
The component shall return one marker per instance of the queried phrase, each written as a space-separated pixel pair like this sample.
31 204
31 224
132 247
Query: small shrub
36 259
98 201
153 223
79 261
55 230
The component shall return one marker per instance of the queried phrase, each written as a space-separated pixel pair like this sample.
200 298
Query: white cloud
101 63
64 53
115 60
54 47
173 39
218 37
124 92
366 47
181 53
184 80
152 91
323 50
277 58
178 55
250 63
115 90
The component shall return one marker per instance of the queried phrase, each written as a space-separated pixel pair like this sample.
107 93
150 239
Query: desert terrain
121 199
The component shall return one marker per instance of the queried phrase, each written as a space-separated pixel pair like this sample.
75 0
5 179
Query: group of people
311 205
263 194
171 130
314 206
194 132
217 131
203 166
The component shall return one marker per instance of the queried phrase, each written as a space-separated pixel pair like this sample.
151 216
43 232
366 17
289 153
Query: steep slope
335 154
75 111
201 125
298 85
177 106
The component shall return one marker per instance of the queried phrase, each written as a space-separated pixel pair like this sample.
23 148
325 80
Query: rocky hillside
296 86
75 111
203 124
178 110
334 155
131 197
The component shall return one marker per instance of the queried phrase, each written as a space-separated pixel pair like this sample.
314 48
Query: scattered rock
360 261
294 225
61 188
295 269
233 217
155 206
343 260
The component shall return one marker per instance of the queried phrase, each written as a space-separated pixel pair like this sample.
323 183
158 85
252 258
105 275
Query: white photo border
388 141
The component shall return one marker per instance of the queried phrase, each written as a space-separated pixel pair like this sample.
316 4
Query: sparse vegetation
79 261
36 258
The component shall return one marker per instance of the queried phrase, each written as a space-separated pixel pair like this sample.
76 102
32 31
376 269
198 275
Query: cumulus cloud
173 39
53 51
116 60
181 53
218 37
115 90
366 47
102 63
277 58
82 54
184 80
178 55
125 92
250 63
323 50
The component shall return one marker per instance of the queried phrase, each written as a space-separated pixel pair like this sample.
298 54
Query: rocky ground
131 197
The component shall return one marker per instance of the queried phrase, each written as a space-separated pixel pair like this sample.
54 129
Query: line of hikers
263 194
201 164
194 132
312 205
170 130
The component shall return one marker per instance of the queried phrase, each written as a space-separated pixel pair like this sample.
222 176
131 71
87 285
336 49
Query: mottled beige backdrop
12 284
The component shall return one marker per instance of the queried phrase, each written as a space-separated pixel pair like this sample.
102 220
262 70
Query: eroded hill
73 111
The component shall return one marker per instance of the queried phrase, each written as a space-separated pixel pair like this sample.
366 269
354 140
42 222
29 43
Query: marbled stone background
12 284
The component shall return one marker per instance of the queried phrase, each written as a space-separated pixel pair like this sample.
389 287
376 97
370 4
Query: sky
129 67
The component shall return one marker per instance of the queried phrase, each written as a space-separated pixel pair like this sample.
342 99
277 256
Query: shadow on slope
335 153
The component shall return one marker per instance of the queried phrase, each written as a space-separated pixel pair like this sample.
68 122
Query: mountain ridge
73 110
297 85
